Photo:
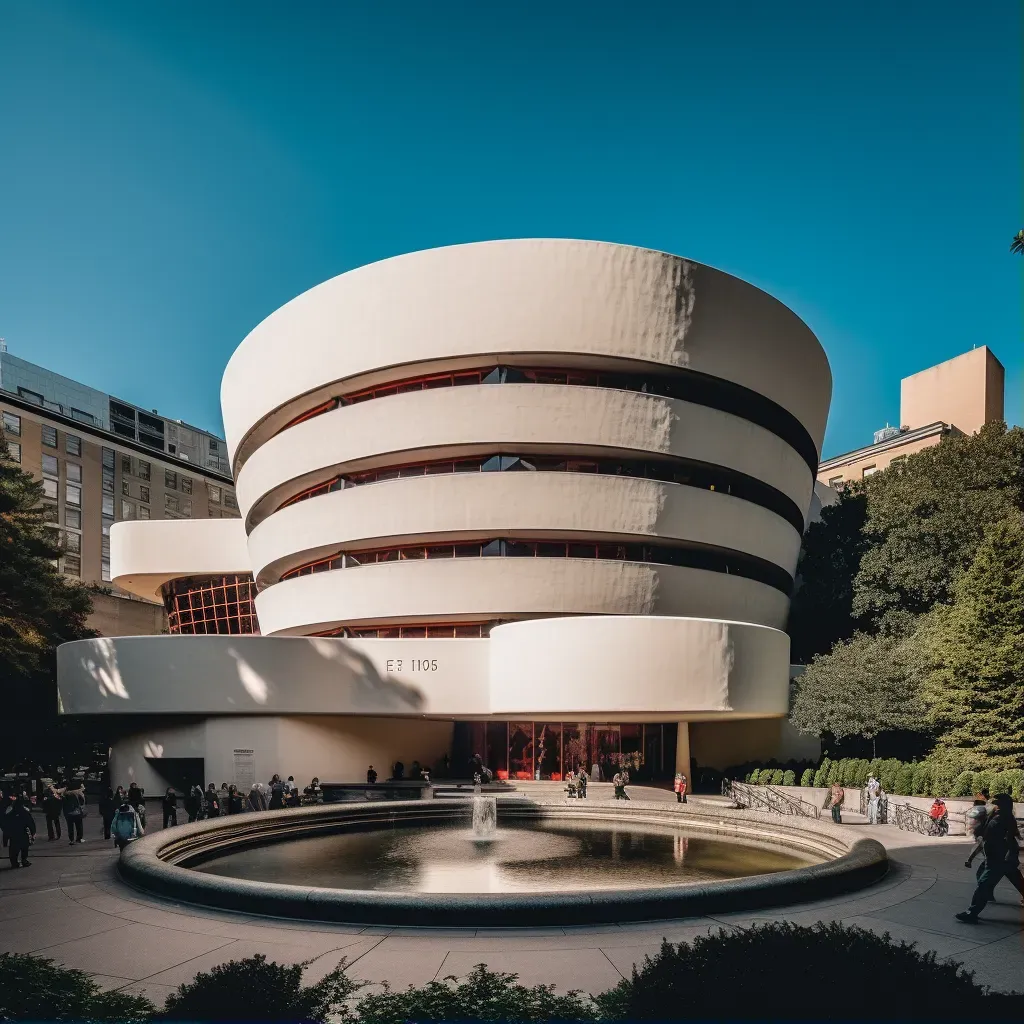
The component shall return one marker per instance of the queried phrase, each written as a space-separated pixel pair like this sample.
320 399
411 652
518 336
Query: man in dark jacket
52 808
20 830
996 839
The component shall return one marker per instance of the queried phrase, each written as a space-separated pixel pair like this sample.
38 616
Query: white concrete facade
660 423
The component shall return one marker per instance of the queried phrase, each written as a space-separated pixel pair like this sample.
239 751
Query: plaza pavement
71 906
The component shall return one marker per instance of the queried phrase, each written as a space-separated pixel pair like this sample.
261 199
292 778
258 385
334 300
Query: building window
107 523
73 543
14 451
72 565
898 459
186 506
125 489
31 396
143 512
105 570
229 500
108 481
211 604
50 436
127 510
108 505
214 447
82 417
50 489
170 479
105 547
50 466
126 464
74 472
869 471
144 493
171 503
73 518
50 514
73 445
834 481
186 485
143 470
108 458
73 495
12 424
215 494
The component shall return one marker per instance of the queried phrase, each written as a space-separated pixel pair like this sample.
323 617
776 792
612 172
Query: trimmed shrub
789 778
860 772
777 776
752 777
822 773
255 989
875 768
889 770
905 780
35 988
833 773
733 976
1002 782
922 779
807 779
983 780
943 781
963 785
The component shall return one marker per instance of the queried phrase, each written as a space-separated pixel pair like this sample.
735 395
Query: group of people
416 773
262 796
576 784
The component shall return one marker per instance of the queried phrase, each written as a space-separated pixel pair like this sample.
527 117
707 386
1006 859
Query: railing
914 819
768 798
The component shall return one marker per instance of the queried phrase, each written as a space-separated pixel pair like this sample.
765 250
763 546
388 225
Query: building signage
245 768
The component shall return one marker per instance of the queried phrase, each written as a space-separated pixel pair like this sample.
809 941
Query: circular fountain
513 862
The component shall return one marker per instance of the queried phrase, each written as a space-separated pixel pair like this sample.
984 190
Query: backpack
123 826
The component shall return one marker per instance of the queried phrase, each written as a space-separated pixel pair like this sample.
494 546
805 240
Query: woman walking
679 785
170 805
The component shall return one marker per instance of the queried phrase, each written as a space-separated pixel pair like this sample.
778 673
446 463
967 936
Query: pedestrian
127 825
20 831
234 805
73 808
52 808
679 785
996 839
371 776
836 797
108 805
255 799
619 780
940 817
222 795
398 772
874 791
292 796
975 818
170 806
10 799
212 807
276 794
137 798
581 784
313 793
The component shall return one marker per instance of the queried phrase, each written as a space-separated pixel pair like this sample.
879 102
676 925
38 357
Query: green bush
752 777
789 778
807 779
922 779
875 768
889 771
905 780
255 989
777 776
943 781
983 780
34 988
1016 783
963 785
821 775
1002 782
833 773
734 976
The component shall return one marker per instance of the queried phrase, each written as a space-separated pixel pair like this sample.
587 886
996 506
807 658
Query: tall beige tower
965 392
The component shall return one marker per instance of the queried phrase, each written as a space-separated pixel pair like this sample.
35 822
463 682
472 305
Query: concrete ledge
160 864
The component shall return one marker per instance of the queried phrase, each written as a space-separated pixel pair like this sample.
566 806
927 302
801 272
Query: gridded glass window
215 494
143 493
186 485
126 464
50 466
229 500
186 506
105 547
74 472
105 570
50 489
72 565
108 505
73 495
143 473
107 523
127 510
108 481
73 518
125 489
14 451
170 479
108 458
171 503
73 445
12 424
143 512
50 436
211 604
73 543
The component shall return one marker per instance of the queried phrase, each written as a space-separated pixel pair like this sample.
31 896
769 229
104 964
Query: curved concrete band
154 864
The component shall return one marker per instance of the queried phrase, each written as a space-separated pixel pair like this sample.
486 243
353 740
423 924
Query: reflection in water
522 857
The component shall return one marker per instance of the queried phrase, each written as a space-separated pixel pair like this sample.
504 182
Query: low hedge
900 778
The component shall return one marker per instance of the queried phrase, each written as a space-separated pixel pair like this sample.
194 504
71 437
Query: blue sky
172 172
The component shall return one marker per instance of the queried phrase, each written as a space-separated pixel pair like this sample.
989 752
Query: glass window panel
582 550
50 436
14 451
108 506
73 518
143 493
50 489
390 555
461 379
389 633
73 495
492 547
72 565
108 481
492 465
105 571
520 750
170 479
125 488
467 631
12 424
413 385
547 745
411 471
443 632
72 444
73 543
436 468
127 510
50 514
143 512
126 464
108 458
385 392
494 376
186 485
519 549
441 551
438 382
410 553
171 502
467 550
106 524
413 632
50 465
551 549
186 506
634 552
215 494
467 466
611 551
74 472
388 474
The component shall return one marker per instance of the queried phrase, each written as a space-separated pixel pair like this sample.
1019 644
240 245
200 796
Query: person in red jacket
680 788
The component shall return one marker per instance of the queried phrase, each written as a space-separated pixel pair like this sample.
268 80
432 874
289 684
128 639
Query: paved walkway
71 906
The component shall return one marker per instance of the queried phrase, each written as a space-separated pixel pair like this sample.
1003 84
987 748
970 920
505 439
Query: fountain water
485 817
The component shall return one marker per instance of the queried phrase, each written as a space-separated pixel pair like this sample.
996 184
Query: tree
39 608
974 679
1017 245
866 686
822 609
925 520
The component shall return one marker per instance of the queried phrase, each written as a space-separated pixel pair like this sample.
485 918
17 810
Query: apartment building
959 396
101 461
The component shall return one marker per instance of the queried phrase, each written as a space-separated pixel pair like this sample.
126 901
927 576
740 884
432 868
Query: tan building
103 461
959 395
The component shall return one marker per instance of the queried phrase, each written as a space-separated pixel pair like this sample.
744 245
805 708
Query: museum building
539 500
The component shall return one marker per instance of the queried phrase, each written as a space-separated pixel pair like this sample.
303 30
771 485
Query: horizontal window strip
415 631
686 472
686 385
731 563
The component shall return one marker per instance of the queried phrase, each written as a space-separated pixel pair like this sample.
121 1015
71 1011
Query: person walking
371 776
975 818
874 791
127 825
582 782
255 798
234 804
996 838
679 785
73 808
108 805
170 807
20 831
212 806
276 794
137 798
836 797
52 809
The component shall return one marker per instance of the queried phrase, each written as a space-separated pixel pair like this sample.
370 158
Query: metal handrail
746 795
